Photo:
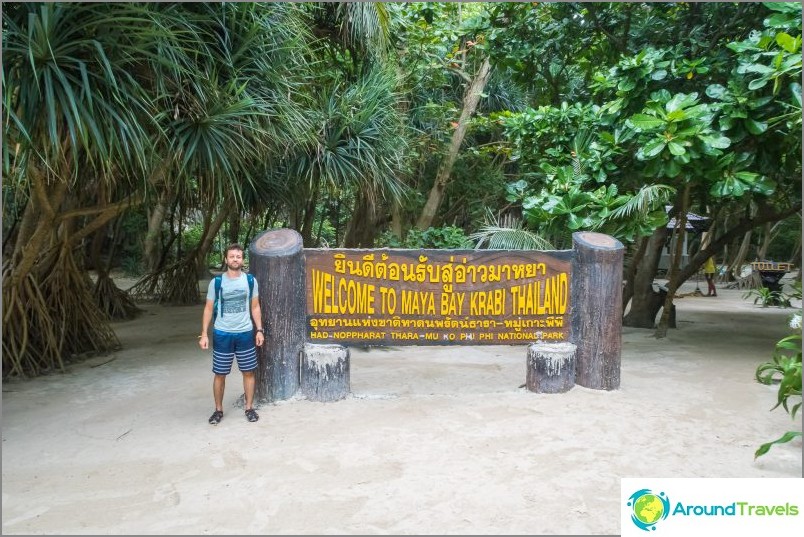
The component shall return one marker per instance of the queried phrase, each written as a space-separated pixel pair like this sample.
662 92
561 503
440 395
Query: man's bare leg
217 391
249 382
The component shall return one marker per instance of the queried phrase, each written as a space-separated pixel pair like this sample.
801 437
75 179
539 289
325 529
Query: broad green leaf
699 111
795 89
659 74
757 68
742 46
786 42
746 177
778 20
626 85
531 202
715 91
677 115
681 100
644 122
758 83
791 8
762 101
575 222
661 96
722 189
673 168
720 142
755 127
764 186
676 148
654 147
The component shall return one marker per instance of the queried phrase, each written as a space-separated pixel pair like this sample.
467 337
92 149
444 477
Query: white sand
433 440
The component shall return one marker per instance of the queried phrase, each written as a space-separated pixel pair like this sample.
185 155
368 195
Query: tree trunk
630 271
762 253
308 219
736 265
153 244
765 214
362 224
235 220
673 282
396 220
470 100
44 203
211 229
646 302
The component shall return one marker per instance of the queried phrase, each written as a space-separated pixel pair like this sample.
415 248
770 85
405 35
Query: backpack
219 296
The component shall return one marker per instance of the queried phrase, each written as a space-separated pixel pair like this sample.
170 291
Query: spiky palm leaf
70 85
646 199
360 139
508 233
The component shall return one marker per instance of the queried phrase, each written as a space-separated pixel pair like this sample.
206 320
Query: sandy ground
432 440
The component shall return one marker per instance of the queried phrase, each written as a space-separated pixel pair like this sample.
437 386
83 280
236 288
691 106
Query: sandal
216 417
251 415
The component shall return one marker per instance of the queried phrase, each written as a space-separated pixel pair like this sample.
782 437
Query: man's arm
203 339
256 315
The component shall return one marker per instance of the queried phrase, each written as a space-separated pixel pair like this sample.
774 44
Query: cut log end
277 242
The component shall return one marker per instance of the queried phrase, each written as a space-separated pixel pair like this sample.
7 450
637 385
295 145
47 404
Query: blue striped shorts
227 345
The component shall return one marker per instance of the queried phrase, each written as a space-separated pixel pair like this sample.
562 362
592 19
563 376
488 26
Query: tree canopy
148 136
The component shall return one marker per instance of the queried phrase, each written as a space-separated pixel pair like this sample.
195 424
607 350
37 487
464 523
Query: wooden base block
550 367
325 372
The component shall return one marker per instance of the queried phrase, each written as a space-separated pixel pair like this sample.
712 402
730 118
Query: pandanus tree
355 149
358 147
229 114
74 114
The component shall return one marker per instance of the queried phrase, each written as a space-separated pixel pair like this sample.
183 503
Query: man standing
237 304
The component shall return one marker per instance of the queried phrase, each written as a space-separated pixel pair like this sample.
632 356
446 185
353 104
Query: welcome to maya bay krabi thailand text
437 296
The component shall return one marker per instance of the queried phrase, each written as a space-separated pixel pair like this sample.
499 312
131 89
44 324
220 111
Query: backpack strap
218 299
250 278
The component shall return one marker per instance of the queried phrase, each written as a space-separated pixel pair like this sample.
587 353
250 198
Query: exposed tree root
176 284
115 303
30 343
48 322
83 327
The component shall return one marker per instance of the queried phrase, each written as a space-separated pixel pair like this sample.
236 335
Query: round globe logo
648 508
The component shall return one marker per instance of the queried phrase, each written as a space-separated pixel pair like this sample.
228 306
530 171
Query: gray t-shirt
236 308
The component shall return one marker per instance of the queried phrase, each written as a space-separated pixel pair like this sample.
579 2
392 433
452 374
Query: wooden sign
437 297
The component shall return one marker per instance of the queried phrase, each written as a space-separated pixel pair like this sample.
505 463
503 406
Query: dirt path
432 440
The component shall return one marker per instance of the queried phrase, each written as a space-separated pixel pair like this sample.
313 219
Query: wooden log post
277 262
596 311
325 372
550 367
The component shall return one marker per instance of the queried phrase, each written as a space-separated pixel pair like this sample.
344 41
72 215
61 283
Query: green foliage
785 240
511 234
68 84
785 369
445 237
674 134
766 297
133 226
357 139
571 197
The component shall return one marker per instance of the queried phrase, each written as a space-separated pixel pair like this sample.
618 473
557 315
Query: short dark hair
233 246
